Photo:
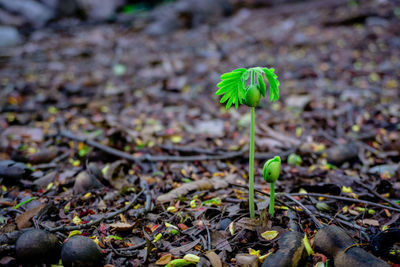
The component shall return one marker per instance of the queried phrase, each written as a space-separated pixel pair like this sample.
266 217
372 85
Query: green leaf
241 70
273 84
233 84
272 169
230 102
225 97
23 202
212 202
233 74
307 245
231 87
261 84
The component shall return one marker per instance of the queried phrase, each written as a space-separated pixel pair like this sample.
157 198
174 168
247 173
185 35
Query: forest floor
105 122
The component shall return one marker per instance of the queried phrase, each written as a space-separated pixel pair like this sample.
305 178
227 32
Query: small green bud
253 96
322 206
294 159
272 169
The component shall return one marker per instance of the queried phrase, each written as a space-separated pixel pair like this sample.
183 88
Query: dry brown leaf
214 259
23 132
23 220
247 223
288 141
177 250
120 226
219 240
265 143
164 260
200 185
269 235
371 222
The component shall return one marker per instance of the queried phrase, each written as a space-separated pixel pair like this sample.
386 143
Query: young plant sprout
271 172
234 91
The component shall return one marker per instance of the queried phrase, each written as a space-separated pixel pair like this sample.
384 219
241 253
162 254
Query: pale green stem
272 199
251 165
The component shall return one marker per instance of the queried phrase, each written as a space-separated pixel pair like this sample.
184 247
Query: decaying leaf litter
116 135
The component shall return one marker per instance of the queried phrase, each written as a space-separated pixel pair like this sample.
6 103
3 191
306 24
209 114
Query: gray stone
7 18
380 169
186 14
100 10
246 260
35 12
214 128
9 36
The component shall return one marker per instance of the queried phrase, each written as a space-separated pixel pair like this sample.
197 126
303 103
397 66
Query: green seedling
294 160
271 171
234 90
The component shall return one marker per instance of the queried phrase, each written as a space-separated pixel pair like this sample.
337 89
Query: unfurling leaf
233 85
273 84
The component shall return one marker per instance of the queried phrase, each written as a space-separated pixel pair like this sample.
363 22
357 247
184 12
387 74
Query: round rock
37 246
81 251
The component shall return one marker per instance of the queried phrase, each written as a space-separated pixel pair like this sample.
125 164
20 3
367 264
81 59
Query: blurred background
141 76
144 73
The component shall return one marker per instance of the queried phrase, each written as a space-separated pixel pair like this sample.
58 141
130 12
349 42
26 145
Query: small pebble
224 224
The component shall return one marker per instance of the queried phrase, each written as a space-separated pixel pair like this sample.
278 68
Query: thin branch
307 211
99 220
346 199
355 226
208 235
151 158
192 150
378 195
266 194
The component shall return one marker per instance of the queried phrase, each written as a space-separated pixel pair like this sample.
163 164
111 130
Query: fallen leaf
371 222
214 259
203 184
184 248
75 232
191 258
23 220
120 226
247 223
21 132
165 259
269 235
219 240
307 245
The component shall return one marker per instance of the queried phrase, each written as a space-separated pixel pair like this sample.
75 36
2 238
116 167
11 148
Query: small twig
45 166
208 235
145 186
151 158
307 211
347 199
266 194
139 245
355 226
192 150
97 145
62 157
99 220
127 253
377 195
